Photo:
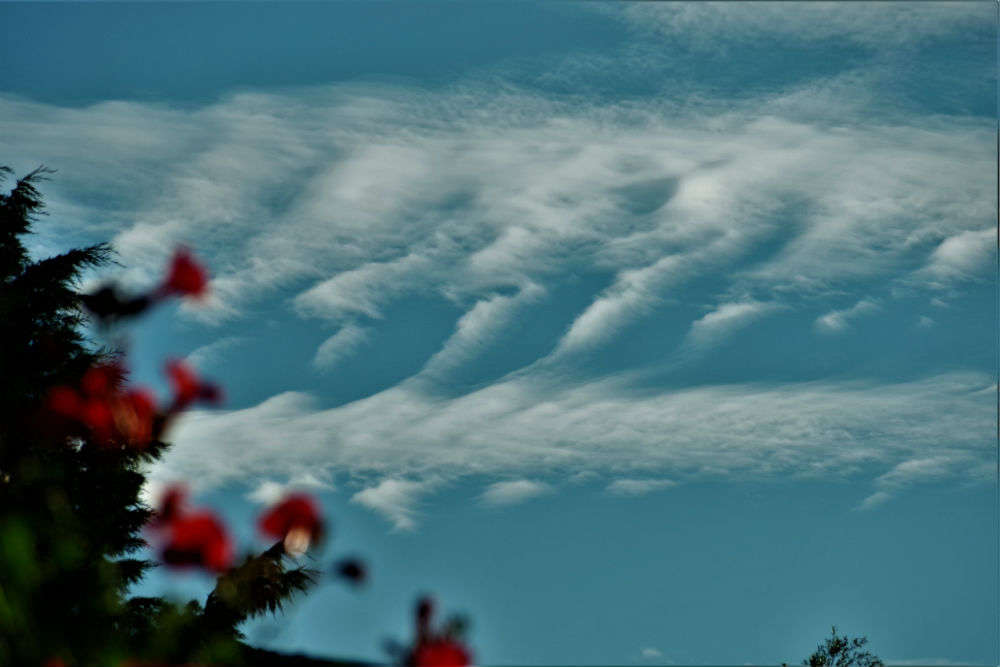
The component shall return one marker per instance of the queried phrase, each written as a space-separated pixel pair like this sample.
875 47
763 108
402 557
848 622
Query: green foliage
842 651
259 585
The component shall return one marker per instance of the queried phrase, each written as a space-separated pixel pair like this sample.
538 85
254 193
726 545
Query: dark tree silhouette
70 515
842 651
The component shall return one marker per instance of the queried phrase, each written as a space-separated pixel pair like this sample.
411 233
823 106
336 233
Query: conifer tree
70 513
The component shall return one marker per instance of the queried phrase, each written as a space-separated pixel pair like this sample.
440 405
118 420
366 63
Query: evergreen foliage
842 651
71 518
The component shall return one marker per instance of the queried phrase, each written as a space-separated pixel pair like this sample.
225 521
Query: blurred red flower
188 387
296 520
110 414
186 276
190 538
436 648
198 539
440 653
133 413
172 504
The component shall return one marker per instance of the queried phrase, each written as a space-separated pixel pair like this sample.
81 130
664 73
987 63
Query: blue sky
643 333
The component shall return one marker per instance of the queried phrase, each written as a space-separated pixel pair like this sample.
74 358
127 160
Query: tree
71 462
841 651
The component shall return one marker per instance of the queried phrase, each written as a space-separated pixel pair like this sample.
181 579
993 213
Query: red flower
440 653
64 401
198 539
133 414
296 520
186 276
108 413
172 504
100 381
437 648
188 387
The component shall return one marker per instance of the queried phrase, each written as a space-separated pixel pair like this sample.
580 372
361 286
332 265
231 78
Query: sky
643 334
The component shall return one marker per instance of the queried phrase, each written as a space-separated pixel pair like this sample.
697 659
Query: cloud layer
341 202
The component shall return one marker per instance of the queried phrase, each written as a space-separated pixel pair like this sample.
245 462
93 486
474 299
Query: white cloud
917 471
875 25
513 492
638 487
837 321
529 426
473 193
925 322
268 492
340 346
726 319
650 653
396 499
478 328
967 255
211 354
493 198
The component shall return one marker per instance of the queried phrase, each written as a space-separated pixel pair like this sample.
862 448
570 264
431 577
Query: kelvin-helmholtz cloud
341 202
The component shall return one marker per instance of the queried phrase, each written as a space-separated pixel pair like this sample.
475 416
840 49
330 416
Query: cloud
650 653
513 492
268 492
638 487
837 321
916 471
478 328
211 354
873 25
474 194
530 426
965 256
347 199
395 499
725 320
340 346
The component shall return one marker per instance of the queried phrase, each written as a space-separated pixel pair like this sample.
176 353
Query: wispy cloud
964 256
340 345
916 471
638 487
212 353
874 25
513 492
527 427
651 653
396 499
725 320
269 491
837 321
